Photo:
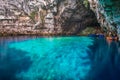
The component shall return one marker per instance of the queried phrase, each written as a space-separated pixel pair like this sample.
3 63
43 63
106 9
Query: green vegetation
86 3
32 15
88 30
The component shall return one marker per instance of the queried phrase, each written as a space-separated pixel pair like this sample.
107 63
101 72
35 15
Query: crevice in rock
108 13
49 16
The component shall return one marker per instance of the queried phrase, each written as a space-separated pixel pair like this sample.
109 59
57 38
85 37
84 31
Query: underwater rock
58 60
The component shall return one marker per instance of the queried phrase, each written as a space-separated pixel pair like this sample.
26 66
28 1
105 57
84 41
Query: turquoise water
58 58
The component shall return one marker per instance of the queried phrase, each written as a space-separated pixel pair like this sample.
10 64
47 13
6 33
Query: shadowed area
105 57
12 61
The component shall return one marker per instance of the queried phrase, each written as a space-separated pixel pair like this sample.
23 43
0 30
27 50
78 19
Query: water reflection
106 58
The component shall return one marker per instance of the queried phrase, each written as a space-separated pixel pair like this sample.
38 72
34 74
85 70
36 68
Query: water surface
58 58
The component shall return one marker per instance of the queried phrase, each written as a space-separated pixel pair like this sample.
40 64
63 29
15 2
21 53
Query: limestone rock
108 13
54 16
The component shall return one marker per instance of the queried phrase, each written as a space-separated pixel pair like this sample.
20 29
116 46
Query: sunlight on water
59 58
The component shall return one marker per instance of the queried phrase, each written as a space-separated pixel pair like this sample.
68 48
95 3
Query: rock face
56 16
75 16
60 16
108 13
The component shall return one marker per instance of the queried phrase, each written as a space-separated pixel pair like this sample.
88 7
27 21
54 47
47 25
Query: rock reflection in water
106 60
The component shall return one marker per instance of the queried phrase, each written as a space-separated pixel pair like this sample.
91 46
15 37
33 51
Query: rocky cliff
46 16
107 13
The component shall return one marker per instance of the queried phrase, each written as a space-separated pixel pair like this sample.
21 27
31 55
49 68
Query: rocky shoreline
28 31
14 32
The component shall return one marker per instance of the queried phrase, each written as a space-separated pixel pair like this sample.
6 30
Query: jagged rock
49 16
60 16
108 13
73 16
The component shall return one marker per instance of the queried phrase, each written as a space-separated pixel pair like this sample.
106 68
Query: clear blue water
59 58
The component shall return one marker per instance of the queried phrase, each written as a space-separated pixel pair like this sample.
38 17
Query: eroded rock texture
108 13
50 16
75 16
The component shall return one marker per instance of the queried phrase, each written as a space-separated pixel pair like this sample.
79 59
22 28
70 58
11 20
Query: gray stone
108 13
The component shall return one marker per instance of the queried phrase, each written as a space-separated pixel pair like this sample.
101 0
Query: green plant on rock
33 14
88 30
86 3
42 17
66 3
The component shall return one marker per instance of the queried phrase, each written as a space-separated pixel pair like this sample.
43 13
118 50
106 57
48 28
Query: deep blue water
59 58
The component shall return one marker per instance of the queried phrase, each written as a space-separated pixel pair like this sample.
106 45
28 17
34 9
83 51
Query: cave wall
68 17
75 16
108 13
49 16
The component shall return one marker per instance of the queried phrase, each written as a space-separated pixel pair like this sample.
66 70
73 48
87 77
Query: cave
110 11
